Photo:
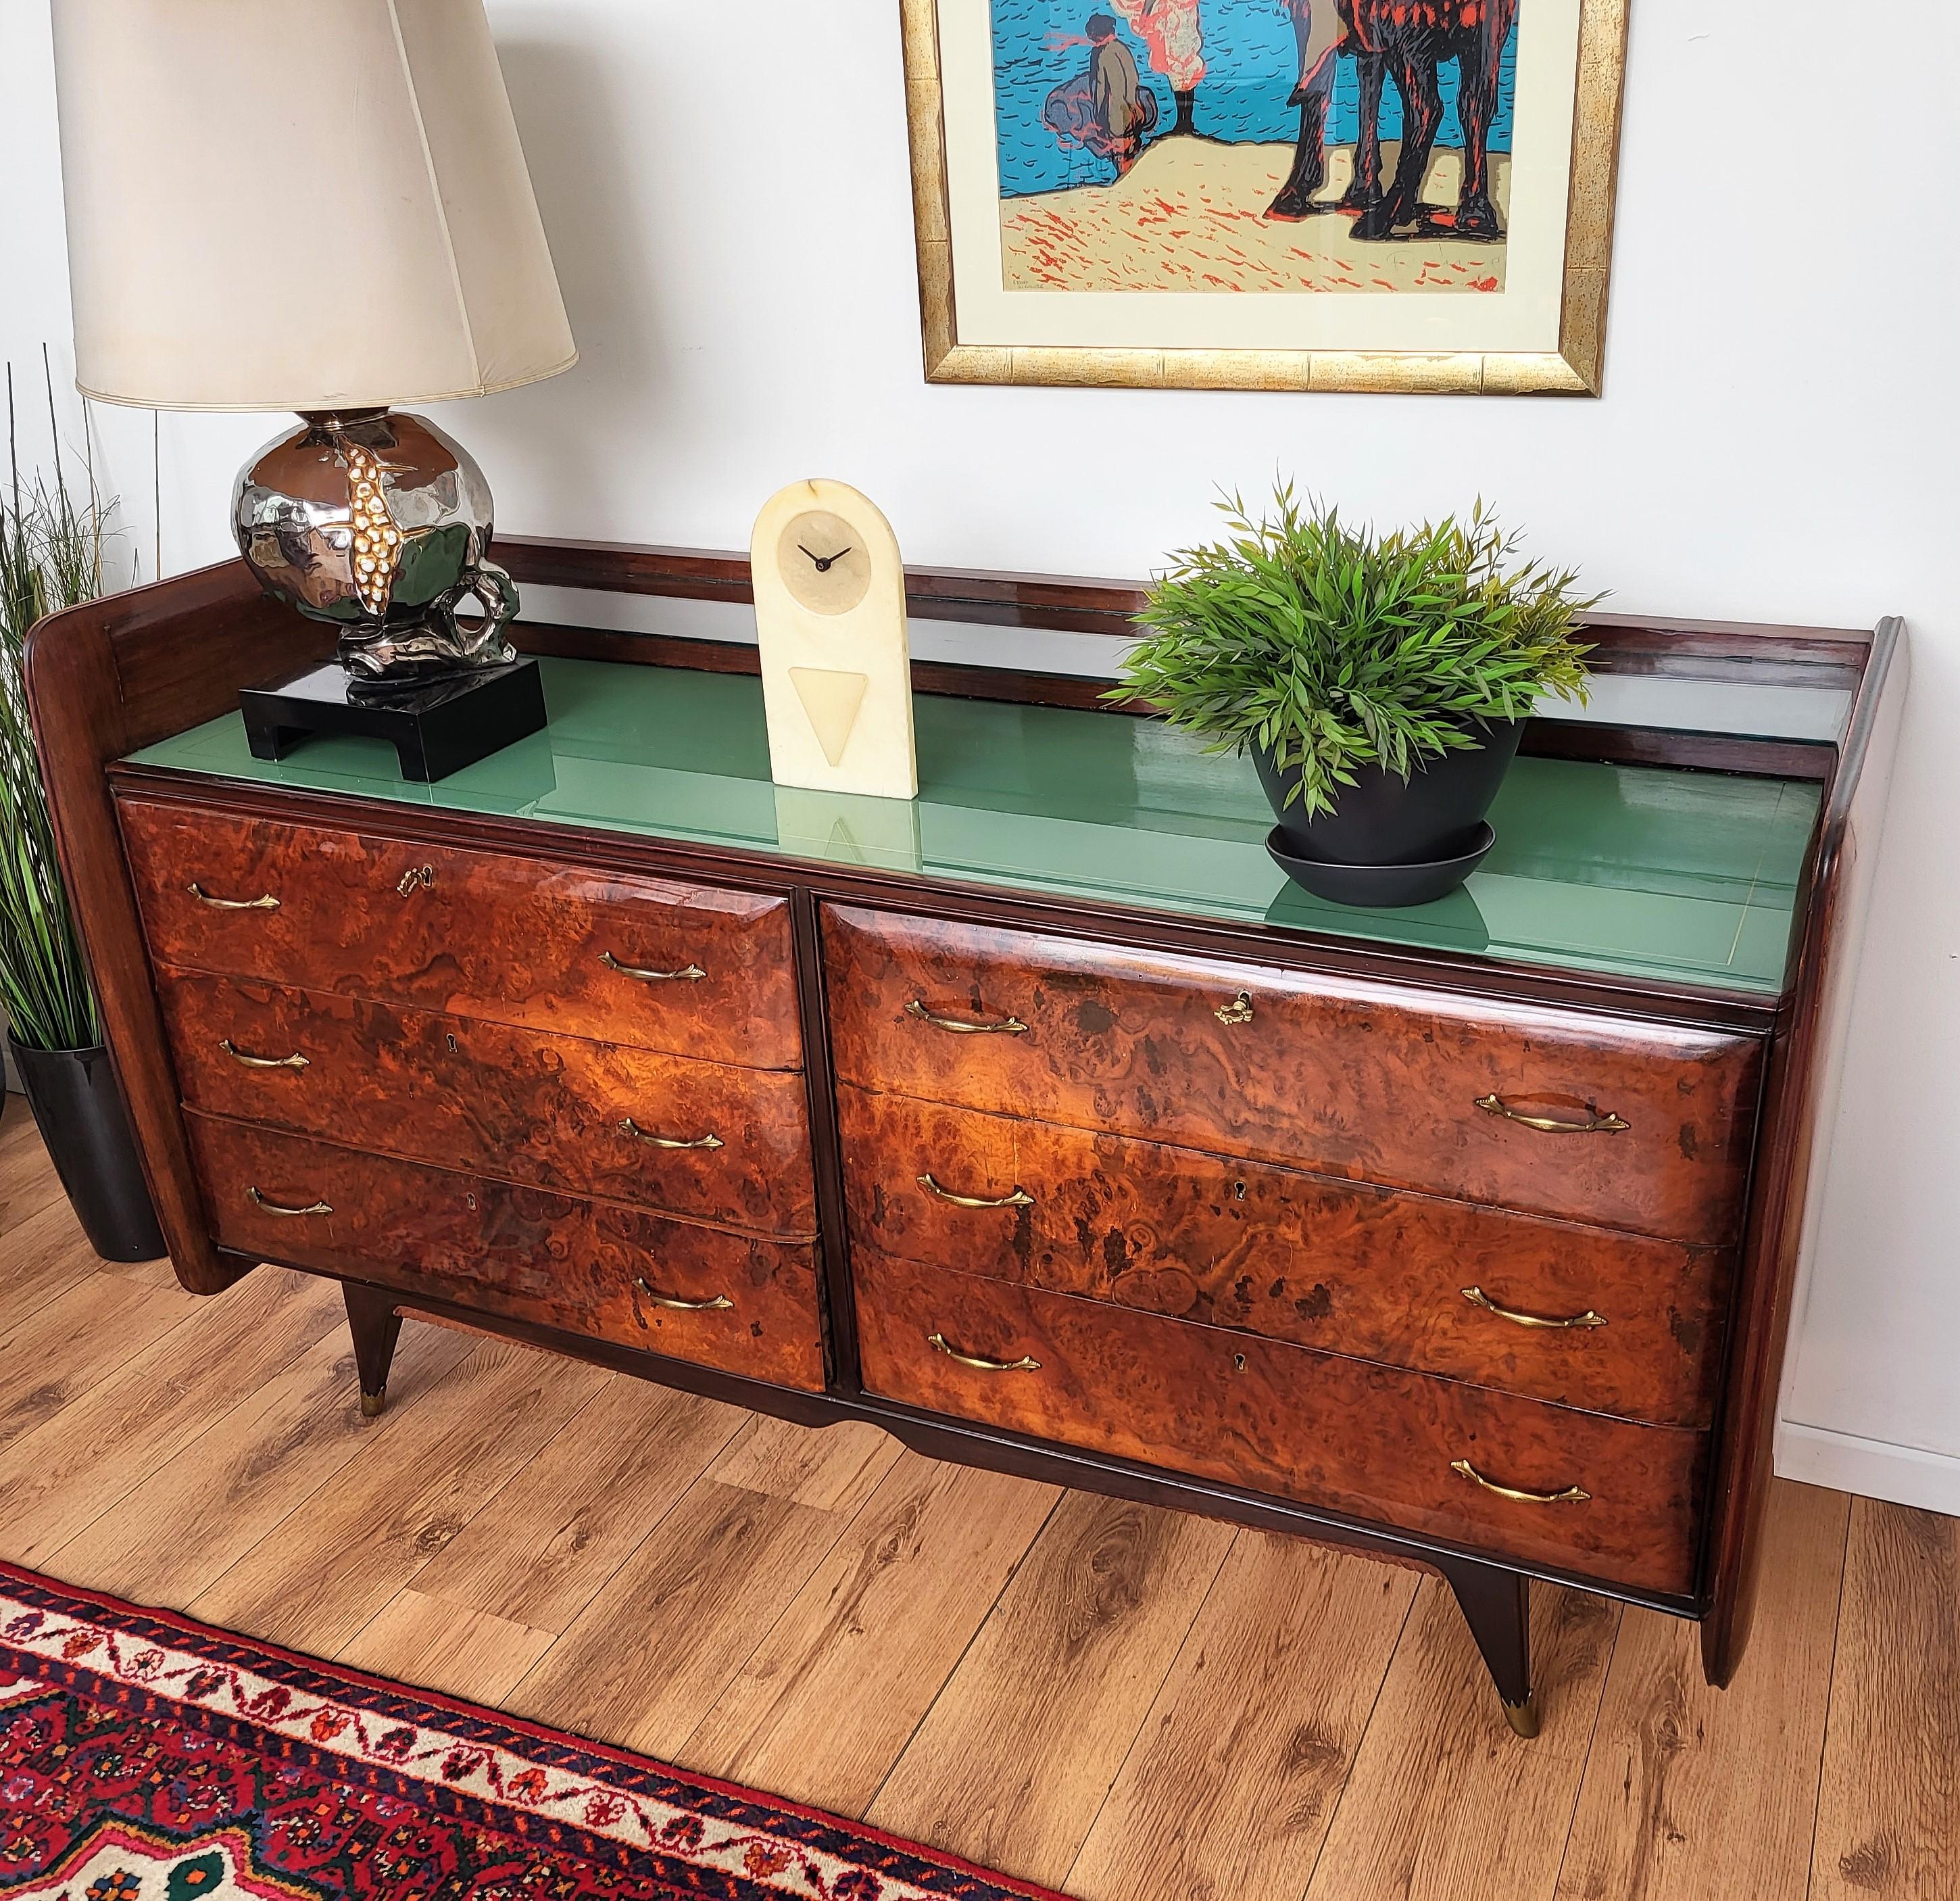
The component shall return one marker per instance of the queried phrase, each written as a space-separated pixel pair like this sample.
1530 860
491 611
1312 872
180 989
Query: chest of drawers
1056 1143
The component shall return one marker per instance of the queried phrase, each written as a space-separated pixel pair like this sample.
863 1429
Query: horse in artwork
1407 41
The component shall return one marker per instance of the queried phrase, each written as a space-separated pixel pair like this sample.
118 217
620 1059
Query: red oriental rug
144 1757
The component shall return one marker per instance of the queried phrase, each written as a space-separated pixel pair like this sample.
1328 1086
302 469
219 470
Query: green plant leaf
1335 647
51 547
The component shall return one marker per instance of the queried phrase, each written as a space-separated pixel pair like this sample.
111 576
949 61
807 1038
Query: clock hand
817 559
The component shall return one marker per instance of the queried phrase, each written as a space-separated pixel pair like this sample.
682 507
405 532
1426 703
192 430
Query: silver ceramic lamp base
375 521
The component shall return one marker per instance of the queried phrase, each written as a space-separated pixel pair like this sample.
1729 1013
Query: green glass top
1646 872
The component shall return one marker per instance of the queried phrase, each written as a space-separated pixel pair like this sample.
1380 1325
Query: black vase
1383 819
78 1104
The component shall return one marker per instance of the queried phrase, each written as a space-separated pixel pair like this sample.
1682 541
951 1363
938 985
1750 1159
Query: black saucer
1382 888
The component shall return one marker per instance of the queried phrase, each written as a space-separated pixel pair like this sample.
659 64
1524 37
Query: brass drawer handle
1239 1009
295 1061
629 1127
1599 1125
1571 1496
1477 1298
257 1200
1008 1027
674 1301
421 874
1024 1364
268 902
687 973
1020 1198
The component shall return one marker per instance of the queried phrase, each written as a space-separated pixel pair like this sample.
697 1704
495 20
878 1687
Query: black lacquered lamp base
436 728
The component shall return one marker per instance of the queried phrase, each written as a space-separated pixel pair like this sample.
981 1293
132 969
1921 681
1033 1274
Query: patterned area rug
144 1757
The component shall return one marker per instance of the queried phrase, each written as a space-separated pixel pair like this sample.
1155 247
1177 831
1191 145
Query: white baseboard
1904 1475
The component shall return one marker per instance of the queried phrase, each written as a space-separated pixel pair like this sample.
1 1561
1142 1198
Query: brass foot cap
371 1403
1523 1717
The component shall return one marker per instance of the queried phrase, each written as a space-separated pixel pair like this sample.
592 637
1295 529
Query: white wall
728 198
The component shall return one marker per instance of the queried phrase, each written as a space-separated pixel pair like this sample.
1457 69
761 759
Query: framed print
1265 194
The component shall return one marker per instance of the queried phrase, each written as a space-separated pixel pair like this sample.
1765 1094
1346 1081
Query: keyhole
454 1049
1238 1191
1239 1360
470 1200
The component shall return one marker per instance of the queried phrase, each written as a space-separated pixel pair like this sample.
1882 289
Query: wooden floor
1113 1700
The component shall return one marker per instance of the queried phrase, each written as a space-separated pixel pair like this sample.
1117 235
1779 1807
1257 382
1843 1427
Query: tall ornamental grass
51 548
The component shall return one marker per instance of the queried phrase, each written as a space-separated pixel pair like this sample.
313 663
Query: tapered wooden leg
375 1325
1496 1604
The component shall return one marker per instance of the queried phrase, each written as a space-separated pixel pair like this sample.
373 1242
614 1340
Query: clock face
824 562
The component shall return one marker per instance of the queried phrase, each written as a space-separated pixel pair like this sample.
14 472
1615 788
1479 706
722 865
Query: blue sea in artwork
1251 65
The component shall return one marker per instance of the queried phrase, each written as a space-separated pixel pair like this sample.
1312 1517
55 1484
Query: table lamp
323 209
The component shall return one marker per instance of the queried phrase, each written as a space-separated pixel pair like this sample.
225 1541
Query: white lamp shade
322 206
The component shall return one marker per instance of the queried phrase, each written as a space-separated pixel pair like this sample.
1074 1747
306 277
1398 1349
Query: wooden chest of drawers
388 1051
688 969
1327 1430
1439 1093
1481 1260
708 1140
1242 1066
1615 1323
618 1273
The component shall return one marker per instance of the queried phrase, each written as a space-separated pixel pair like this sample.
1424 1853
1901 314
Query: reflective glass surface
1646 871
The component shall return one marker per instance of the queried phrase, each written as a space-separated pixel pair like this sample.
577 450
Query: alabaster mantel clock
830 618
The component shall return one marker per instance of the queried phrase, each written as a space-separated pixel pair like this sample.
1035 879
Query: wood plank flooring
1126 1704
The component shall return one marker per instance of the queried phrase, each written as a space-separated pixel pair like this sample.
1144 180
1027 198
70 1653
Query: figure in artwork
1106 108
1355 146
1171 30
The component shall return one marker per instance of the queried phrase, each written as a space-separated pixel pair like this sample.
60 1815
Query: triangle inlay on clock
831 700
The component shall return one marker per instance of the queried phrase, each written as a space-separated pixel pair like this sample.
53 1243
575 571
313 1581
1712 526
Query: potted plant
1381 683
50 558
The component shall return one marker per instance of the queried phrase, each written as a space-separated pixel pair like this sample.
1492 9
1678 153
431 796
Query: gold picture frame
1572 368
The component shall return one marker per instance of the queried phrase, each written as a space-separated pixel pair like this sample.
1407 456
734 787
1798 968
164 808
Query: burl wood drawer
685 968
1597 1497
618 1273
1586 1317
708 1140
1642 1126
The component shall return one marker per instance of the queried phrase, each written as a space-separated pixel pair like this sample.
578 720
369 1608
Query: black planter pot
1383 819
79 1105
